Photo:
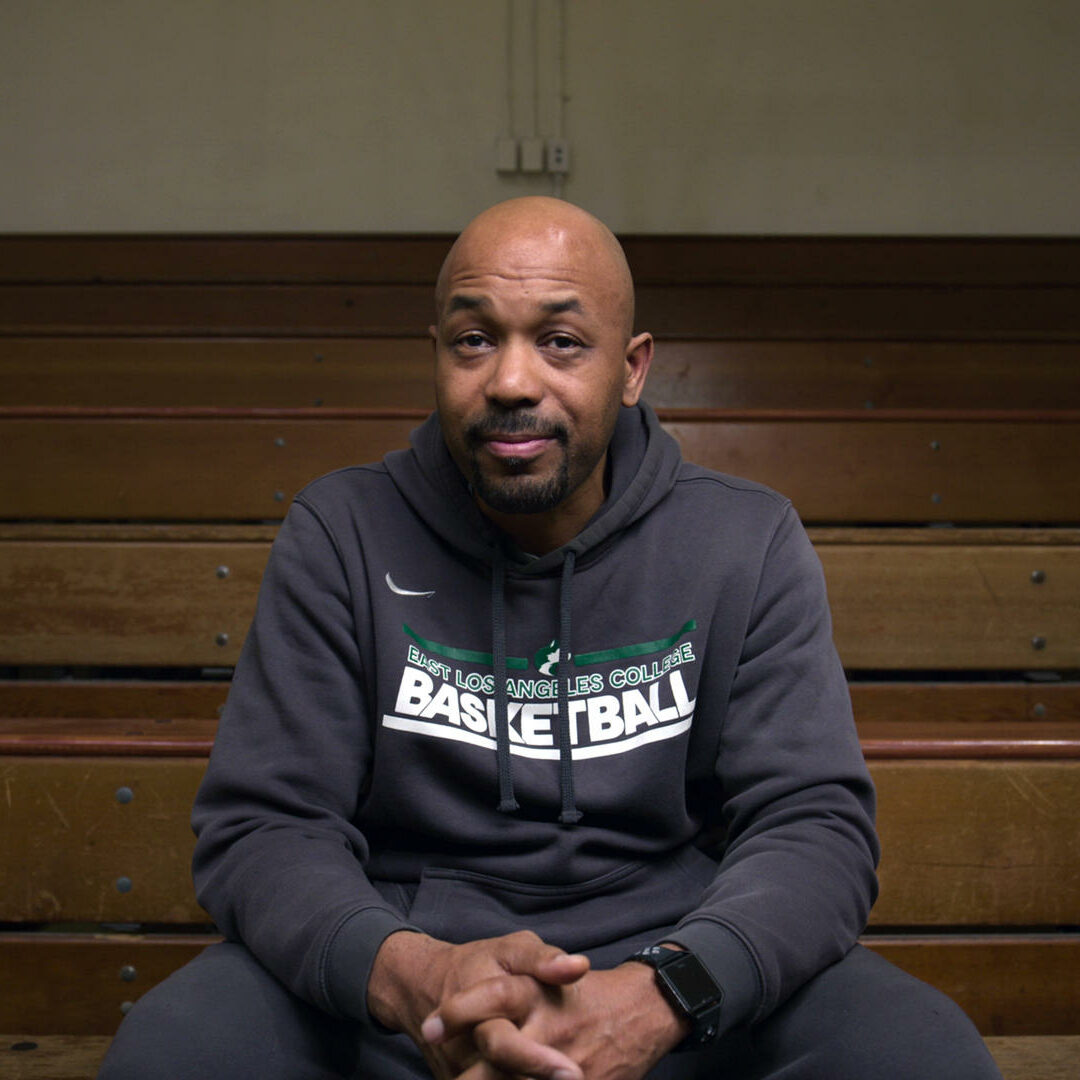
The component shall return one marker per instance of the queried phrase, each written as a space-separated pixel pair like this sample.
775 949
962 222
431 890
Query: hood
643 463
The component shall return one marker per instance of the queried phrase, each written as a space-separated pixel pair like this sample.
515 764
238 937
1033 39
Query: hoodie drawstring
568 813
507 803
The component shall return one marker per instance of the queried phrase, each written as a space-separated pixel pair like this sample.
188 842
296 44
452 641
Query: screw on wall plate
935 445
1038 577
936 497
124 795
124 884
279 441
1038 642
126 1006
128 973
1039 710
279 496
221 639
222 571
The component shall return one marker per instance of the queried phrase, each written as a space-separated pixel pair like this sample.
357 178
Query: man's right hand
414 973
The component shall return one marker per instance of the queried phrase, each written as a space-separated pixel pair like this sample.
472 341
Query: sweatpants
224 1016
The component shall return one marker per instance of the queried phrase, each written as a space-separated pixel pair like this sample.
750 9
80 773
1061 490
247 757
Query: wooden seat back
163 399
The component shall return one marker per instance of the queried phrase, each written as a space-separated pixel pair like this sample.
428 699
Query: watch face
688 976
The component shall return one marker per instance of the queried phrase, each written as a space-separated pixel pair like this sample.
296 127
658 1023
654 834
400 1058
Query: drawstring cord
568 813
507 803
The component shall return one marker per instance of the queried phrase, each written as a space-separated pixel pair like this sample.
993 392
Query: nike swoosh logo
404 592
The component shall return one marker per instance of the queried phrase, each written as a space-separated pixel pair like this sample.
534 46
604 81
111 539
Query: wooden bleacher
162 399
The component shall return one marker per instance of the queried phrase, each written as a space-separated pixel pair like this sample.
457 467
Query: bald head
538 235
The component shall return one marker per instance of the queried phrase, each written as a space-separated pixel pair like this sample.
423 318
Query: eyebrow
557 307
463 302
466 302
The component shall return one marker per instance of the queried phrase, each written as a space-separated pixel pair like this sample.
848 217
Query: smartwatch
689 989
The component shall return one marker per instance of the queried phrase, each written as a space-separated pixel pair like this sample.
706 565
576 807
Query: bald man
539 760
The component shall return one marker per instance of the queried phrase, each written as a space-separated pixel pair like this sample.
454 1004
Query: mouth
518 447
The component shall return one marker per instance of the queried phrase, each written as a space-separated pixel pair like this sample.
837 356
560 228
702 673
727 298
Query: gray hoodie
644 735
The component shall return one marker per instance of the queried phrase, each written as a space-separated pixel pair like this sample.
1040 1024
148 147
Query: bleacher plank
124 700
127 601
966 842
976 843
78 1057
906 599
208 464
416 257
1009 984
36 965
897 312
220 372
98 839
396 373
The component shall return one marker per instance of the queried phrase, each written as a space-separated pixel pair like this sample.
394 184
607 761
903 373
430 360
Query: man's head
534 357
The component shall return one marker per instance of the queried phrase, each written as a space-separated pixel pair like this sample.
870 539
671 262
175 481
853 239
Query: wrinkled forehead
491 257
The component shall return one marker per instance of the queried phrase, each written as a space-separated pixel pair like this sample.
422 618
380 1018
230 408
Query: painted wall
731 116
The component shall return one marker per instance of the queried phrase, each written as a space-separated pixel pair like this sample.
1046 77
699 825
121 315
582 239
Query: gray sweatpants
224 1016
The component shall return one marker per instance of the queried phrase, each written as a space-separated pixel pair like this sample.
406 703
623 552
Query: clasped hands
514 1006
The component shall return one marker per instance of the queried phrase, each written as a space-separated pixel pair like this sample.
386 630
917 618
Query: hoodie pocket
462 905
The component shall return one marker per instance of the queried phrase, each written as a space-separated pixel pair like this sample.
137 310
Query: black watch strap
689 988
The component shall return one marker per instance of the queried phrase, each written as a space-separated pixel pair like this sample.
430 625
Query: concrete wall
731 116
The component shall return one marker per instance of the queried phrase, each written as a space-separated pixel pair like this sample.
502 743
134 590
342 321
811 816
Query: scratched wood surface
397 373
177 466
1009 984
880 706
111 258
973 843
898 311
919 605
78 1057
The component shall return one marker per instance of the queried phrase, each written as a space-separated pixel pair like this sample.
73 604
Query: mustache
514 422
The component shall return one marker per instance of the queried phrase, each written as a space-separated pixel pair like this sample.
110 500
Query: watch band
689 988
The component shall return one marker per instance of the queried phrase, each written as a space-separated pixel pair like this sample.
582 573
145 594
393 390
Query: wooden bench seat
923 599
235 464
976 816
162 400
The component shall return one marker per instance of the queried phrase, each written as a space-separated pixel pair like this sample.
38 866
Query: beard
514 490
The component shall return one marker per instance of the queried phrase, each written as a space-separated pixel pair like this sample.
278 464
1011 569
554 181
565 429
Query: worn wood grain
966 843
1009 984
937 607
87 855
879 705
895 606
397 372
698 311
387 257
204 466
71 984
1018 984
283 373
102 603
978 843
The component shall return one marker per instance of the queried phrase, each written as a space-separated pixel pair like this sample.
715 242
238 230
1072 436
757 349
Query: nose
515 377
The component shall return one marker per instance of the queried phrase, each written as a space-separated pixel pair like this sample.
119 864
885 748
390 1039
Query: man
539 759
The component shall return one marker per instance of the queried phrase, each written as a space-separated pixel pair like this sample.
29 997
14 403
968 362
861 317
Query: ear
639 354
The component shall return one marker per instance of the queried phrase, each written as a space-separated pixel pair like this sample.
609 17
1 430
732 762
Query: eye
471 339
562 342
